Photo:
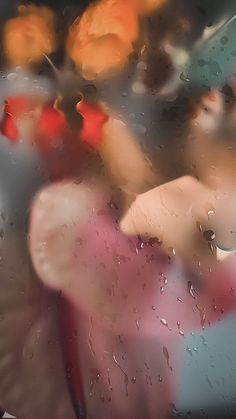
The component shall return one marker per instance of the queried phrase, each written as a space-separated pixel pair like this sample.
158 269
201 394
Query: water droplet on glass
199 226
204 340
3 216
141 65
132 115
210 212
209 235
126 379
224 40
112 204
191 289
173 407
139 129
109 378
162 290
164 322
133 380
139 88
154 240
94 378
165 281
188 350
212 248
172 250
140 245
184 77
11 76
179 299
209 381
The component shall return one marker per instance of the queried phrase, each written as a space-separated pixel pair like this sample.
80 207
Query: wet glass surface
117 209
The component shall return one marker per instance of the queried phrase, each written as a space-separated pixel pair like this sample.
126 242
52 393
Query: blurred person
124 294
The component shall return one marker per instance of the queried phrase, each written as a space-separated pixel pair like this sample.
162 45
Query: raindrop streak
202 316
126 379
173 408
204 340
180 331
191 290
167 357
90 342
209 381
95 375
179 299
148 380
109 378
188 350
146 365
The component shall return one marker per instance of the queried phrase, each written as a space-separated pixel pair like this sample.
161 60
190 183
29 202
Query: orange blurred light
100 41
30 35
145 7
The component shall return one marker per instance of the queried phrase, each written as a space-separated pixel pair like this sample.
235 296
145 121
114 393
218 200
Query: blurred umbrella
213 61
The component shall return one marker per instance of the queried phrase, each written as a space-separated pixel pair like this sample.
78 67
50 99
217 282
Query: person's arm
124 160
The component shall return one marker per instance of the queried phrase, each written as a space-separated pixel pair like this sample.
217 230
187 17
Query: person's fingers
172 213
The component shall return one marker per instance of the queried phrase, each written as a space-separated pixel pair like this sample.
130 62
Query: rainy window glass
117 209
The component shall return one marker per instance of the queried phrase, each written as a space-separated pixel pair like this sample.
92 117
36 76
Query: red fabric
52 127
94 119
14 108
9 129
